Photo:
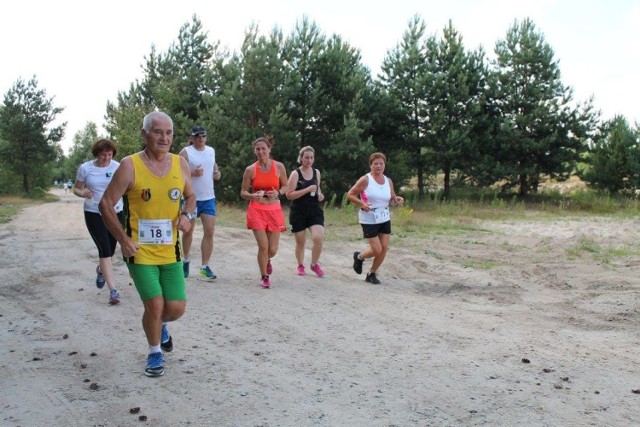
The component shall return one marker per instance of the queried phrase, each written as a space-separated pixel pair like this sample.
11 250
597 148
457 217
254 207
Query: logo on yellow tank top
145 194
174 194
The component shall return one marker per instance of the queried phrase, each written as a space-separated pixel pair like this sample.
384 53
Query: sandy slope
501 327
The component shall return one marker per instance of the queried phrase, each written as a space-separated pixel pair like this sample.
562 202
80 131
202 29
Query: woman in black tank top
305 211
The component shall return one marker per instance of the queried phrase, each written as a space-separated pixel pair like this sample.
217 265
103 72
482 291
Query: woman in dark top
305 211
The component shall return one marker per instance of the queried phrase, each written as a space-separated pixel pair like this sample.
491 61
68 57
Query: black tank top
307 199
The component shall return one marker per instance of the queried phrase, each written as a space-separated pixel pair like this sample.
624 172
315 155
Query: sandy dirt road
513 325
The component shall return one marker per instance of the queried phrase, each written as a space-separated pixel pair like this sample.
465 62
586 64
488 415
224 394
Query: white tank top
378 196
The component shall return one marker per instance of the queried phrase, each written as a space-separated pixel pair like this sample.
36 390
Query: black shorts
372 230
303 217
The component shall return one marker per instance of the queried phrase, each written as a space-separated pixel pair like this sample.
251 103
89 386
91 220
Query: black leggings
104 241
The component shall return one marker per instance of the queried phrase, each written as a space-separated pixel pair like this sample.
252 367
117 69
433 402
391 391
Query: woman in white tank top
374 193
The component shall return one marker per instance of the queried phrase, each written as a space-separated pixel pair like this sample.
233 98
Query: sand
532 322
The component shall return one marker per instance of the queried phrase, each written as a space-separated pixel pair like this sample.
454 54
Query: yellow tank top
152 206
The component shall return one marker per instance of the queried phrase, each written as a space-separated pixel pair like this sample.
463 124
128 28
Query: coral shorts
265 217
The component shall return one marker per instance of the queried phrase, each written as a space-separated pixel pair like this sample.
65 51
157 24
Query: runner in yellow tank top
153 181
153 203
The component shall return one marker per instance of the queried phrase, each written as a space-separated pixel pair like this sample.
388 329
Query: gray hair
148 119
304 150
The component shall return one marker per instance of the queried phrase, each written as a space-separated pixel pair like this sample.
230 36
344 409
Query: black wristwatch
190 215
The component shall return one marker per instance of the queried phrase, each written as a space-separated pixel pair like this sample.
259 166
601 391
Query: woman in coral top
263 183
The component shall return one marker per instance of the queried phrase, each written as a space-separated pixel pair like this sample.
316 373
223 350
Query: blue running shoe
99 278
206 272
155 365
166 342
114 297
185 268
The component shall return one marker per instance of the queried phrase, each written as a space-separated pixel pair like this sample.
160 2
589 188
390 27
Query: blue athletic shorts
207 207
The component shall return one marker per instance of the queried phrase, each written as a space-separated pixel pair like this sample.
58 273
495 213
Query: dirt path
513 325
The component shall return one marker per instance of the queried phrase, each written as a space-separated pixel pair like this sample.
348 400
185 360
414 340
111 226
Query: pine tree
454 102
28 141
541 132
405 75
614 160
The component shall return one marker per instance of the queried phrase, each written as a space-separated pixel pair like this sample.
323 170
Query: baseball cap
198 131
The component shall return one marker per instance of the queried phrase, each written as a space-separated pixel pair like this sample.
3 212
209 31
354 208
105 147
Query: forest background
448 118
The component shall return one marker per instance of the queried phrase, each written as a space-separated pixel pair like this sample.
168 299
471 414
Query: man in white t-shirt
204 170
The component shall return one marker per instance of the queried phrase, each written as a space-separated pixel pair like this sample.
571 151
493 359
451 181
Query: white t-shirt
202 185
96 179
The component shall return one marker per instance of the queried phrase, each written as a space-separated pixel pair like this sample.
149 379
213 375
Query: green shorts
165 280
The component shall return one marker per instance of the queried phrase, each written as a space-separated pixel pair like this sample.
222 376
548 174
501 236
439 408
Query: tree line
444 115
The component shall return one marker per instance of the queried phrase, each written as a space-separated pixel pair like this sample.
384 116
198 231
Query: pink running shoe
317 269
300 270
269 268
265 283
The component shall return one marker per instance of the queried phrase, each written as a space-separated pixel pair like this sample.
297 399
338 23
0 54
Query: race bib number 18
155 232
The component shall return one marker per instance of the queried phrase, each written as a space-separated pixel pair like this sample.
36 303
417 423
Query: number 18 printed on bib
155 232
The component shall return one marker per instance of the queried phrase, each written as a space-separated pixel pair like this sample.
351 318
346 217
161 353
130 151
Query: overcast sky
83 53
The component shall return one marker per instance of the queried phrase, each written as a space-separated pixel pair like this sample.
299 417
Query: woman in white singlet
374 193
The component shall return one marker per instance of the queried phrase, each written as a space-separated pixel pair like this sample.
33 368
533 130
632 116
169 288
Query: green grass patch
230 215
10 206
584 245
606 255
491 204
462 214
481 265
